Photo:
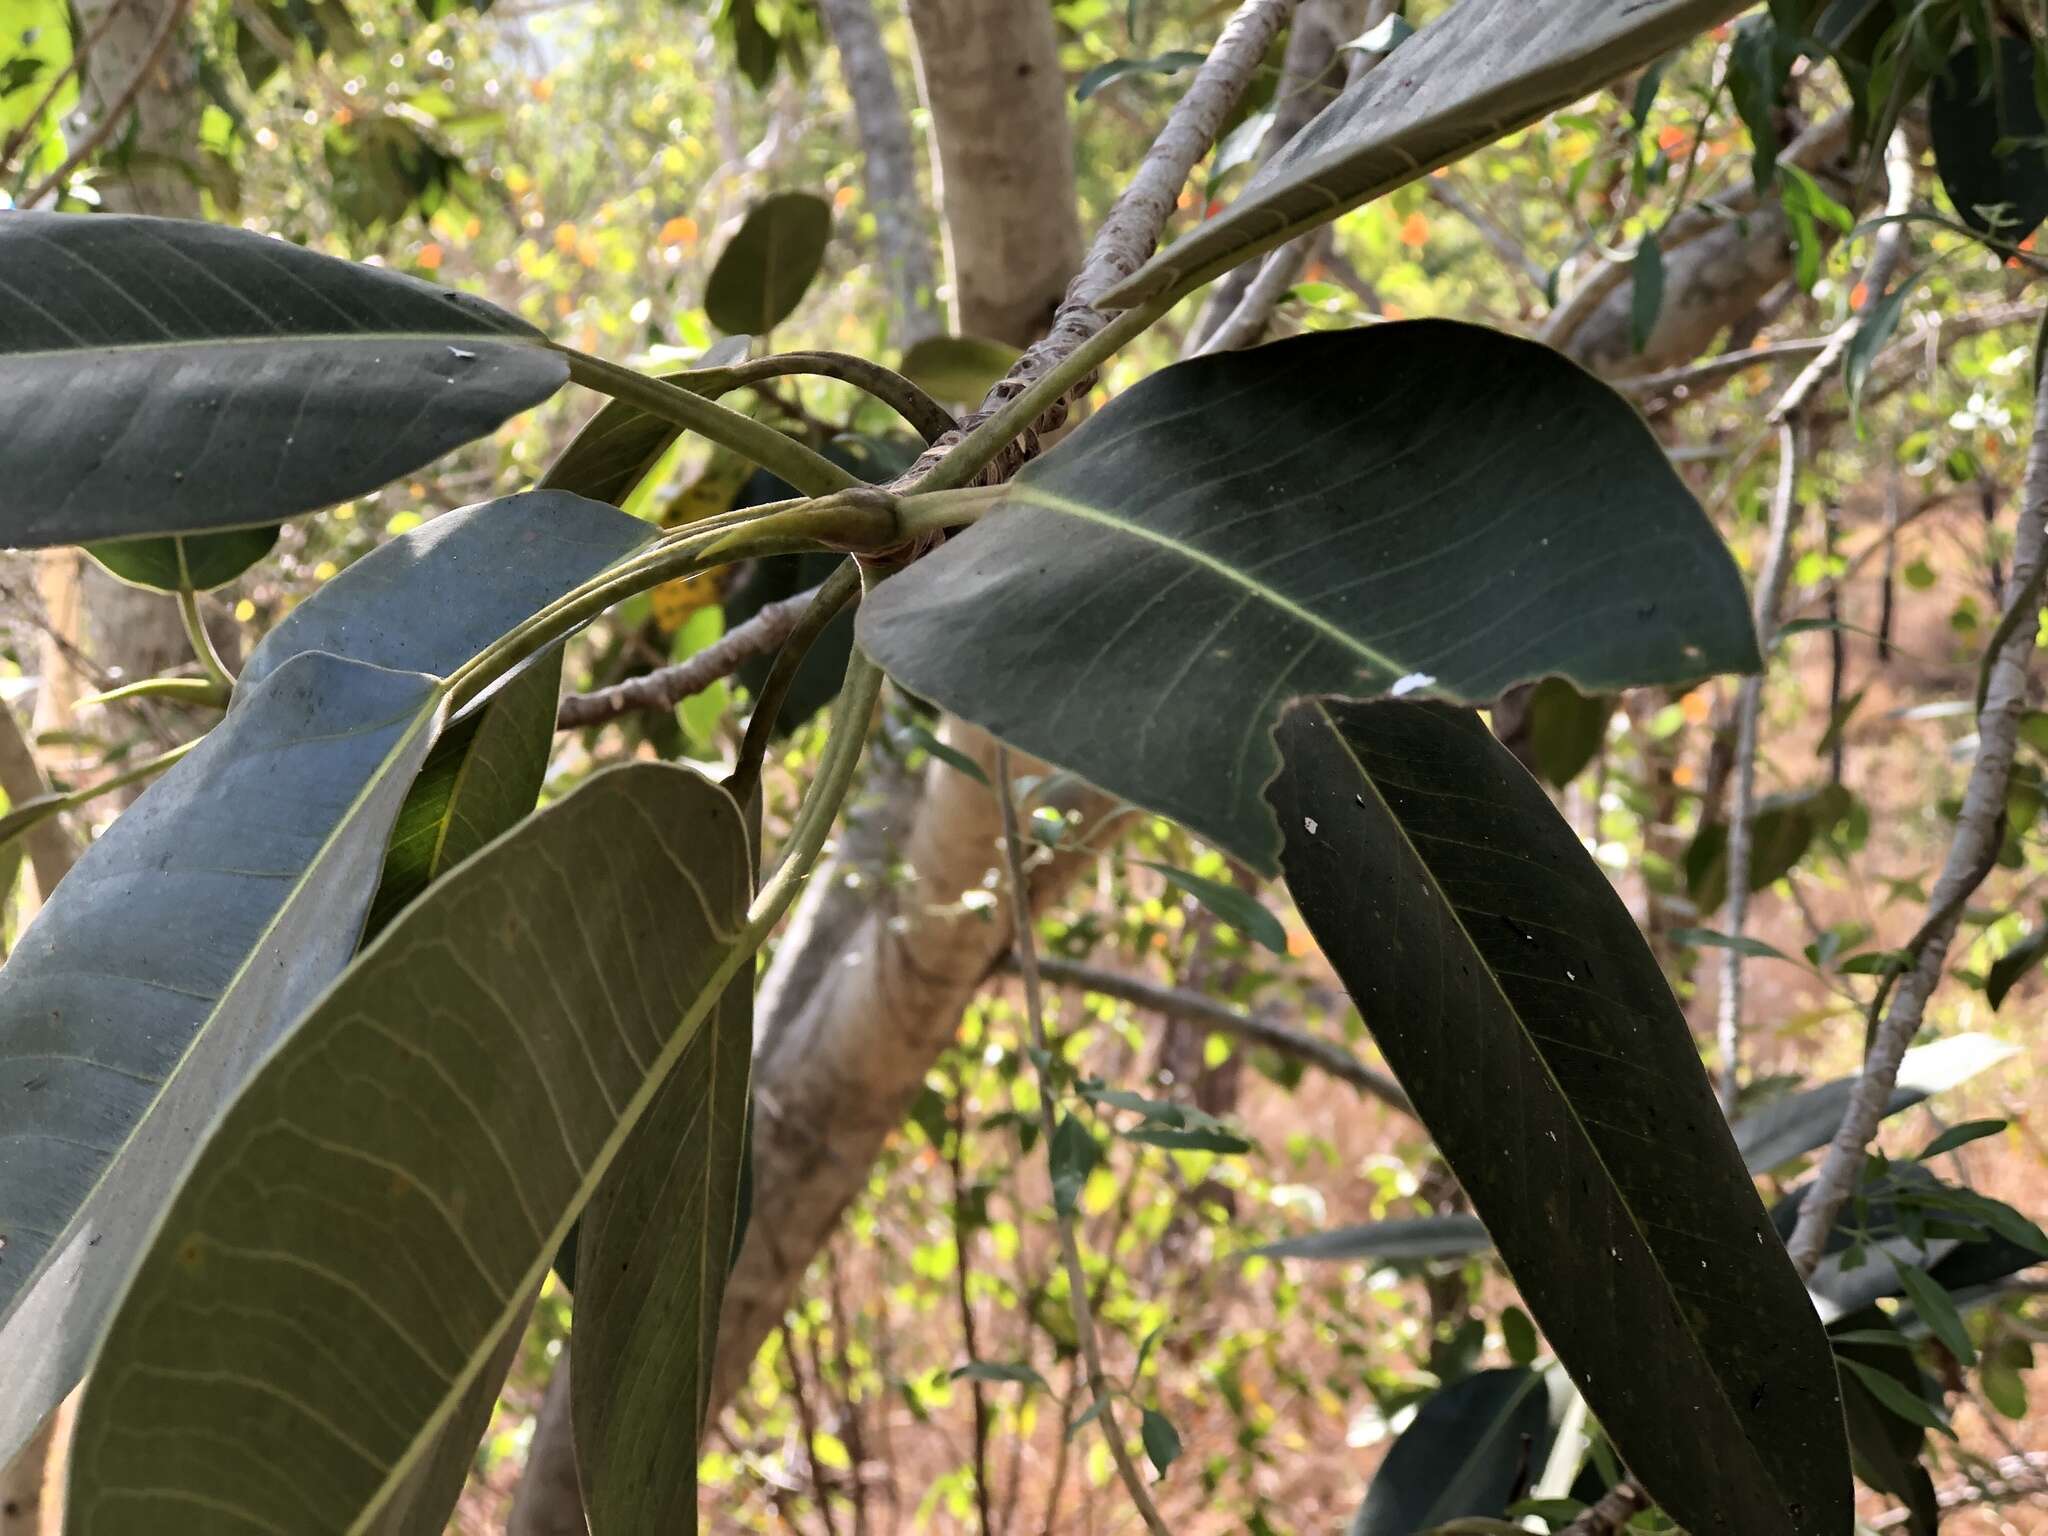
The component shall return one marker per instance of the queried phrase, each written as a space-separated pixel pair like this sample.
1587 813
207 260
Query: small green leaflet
1240 909
1073 1154
1647 296
1960 1135
1162 1441
1000 1371
1937 1310
1707 938
1909 1406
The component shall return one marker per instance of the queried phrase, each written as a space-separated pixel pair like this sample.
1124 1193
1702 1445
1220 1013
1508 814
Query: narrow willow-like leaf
652 1255
1510 992
1468 1451
1398 1239
1477 73
769 264
1426 508
1988 140
372 1214
209 915
158 376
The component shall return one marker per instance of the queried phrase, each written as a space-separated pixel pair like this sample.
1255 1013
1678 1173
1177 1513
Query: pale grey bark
550 1502
1971 854
990 73
903 226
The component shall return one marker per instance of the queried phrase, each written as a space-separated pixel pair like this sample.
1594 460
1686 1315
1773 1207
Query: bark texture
990 73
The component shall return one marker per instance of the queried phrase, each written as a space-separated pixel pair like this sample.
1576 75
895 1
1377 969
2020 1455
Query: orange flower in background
1414 231
1674 141
565 238
1697 705
430 257
680 230
1858 295
543 89
843 198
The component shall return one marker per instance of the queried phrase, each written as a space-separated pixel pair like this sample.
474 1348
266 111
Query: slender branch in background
1003 434
115 116
1070 1243
931 419
1770 596
1972 852
79 54
666 687
1193 1008
1510 250
963 1264
51 851
1788 416
1247 324
807 1423
902 228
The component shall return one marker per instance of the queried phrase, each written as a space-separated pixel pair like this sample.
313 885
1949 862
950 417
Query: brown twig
666 687
1283 1039
1128 236
1972 852
1070 1243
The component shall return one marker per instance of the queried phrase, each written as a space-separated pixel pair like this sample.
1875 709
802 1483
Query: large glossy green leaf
1427 508
1472 1449
164 967
1479 71
372 1214
158 376
220 904
652 1254
769 264
1510 992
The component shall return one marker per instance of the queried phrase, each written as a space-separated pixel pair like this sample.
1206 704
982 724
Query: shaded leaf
621 444
1471 1450
1198 1140
2008 968
922 736
1989 137
1481 70
1565 729
1436 856
1646 292
1885 1447
1165 64
1162 1440
653 1252
1742 943
1073 1154
168 377
171 958
453 1099
1758 67
1783 829
957 369
1907 1404
226 898
1802 1122
1310 517
1937 1311
198 562
1240 909
769 264
1393 1241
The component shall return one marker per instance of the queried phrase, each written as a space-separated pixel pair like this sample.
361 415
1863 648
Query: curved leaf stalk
808 471
1070 1243
930 419
862 518
204 691
830 597
852 717
202 643
22 817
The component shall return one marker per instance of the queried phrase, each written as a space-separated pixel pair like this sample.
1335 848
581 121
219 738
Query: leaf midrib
1053 502
459 339
1543 1063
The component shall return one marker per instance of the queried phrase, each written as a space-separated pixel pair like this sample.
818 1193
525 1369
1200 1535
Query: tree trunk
148 165
903 227
869 983
990 72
